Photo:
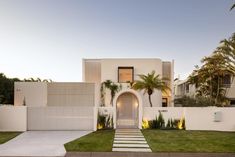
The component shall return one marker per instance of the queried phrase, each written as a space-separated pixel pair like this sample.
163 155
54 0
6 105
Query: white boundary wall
199 118
196 118
150 113
13 118
61 118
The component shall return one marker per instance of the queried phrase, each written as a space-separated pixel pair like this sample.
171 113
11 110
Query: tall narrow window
164 102
125 74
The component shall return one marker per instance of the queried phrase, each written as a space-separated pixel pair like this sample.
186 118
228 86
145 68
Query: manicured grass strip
6 136
190 141
99 141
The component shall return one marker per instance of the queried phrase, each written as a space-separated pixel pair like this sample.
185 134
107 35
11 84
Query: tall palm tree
233 6
149 83
208 79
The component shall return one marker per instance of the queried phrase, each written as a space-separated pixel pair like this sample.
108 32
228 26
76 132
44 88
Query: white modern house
72 106
77 105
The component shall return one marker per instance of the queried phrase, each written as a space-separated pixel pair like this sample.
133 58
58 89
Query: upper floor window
227 81
125 74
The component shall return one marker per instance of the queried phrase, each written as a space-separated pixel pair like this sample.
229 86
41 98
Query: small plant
104 122
101 121
181 124
145 124
168 125
161 121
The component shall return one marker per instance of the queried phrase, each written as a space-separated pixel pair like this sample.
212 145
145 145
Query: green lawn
99 141
6 136
190 141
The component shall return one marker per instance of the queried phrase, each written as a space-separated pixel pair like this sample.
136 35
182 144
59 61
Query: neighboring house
183 88
59 106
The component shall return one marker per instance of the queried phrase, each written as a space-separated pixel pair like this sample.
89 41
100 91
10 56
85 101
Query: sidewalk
135 154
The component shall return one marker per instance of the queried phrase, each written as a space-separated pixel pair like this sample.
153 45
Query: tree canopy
7 87
149 83
210 78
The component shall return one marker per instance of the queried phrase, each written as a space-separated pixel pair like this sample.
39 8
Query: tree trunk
111 101
218 90
150 101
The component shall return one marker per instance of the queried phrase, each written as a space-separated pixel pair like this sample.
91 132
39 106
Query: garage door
60 118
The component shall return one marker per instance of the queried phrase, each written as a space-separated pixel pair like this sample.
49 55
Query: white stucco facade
100 70
62 105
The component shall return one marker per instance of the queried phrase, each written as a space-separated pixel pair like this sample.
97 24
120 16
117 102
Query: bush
104 122
161 121
199 101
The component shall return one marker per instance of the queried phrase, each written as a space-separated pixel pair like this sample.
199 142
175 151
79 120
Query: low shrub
104 122
159 123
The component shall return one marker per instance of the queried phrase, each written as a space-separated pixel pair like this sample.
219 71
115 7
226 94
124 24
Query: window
187 88
227 81
164 102
125 74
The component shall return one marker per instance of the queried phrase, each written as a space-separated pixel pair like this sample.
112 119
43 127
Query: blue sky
49 38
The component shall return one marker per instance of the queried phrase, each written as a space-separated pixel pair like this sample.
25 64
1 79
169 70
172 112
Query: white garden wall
196 118
204 118
13 118
150 113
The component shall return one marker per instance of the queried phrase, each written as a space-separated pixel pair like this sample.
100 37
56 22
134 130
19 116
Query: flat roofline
98 59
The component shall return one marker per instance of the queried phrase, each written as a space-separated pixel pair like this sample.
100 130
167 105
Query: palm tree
233 6
112 87
208 79
149 83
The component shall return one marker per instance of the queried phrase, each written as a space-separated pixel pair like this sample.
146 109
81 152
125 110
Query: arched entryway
139 109
127 111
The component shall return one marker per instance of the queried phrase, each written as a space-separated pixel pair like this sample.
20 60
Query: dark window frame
126 67
166 102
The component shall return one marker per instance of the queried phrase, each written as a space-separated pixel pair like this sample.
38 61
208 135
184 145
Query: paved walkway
40 143
130 140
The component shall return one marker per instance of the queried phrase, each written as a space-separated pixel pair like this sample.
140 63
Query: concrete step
121 145
131 150
142 142
128 133
129 138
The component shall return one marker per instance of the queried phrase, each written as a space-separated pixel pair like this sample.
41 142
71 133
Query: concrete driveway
40 143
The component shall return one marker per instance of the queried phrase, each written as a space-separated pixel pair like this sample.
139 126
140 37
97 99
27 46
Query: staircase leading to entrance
130 140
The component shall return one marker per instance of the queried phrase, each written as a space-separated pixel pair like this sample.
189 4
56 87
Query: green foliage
168 125
233 6
101 121
104 121
199 101
114 88
190 141
6 136
102 95
98 141
149 83
209 78
159 123
7 87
